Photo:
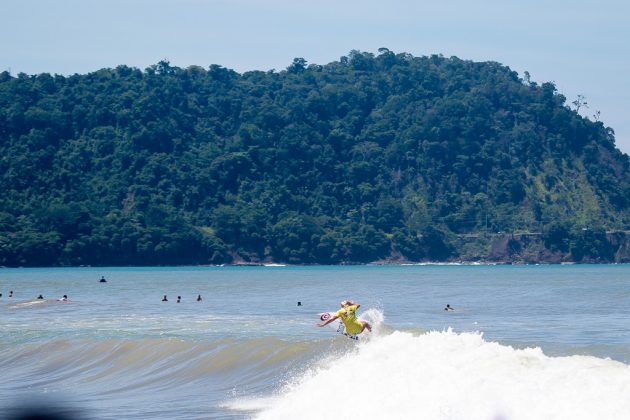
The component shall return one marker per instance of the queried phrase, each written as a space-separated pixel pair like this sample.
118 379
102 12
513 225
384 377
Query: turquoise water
114 350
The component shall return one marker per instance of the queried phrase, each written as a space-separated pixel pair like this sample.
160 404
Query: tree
298 65
580 102
437 244
591 245
557 236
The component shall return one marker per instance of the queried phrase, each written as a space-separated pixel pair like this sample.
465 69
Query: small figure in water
64 298
448 308
179 298
11 293
164 299
40 297
299 303
102 280
348 314
198 298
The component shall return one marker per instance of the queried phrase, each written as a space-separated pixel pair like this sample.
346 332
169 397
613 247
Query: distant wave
30 303
445 375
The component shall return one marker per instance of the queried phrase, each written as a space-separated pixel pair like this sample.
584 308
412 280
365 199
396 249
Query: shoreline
373 264
503 249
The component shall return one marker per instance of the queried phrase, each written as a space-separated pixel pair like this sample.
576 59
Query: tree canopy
366 158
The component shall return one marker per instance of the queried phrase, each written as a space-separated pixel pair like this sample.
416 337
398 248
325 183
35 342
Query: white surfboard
336 325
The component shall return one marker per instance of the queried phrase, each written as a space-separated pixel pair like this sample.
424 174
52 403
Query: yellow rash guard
349 317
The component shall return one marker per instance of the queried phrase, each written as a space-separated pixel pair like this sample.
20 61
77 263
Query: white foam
445 375
249 404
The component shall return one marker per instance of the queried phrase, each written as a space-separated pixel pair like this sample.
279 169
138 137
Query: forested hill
373 157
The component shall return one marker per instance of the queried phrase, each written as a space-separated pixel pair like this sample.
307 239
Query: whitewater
445 375
535 342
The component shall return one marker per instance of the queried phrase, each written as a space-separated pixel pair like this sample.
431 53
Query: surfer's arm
328 321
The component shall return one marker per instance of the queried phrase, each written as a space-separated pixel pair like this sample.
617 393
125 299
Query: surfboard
336 325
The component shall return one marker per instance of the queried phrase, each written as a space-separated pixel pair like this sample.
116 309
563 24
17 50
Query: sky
583 46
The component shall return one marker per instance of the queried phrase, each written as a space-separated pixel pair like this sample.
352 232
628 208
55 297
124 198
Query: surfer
348 315
102 280
198 298
449 308
164 299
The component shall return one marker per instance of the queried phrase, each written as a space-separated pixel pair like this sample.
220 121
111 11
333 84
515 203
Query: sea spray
376 318
445 375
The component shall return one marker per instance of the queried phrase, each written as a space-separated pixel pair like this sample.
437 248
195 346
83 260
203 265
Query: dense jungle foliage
370 157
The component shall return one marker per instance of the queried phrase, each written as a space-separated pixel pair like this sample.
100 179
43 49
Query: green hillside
372 157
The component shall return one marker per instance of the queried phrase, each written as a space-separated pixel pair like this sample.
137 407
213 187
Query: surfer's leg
366 326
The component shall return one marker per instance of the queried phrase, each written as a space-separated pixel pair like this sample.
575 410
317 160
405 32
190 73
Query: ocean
523 342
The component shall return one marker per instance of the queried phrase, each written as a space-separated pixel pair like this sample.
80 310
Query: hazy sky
581 45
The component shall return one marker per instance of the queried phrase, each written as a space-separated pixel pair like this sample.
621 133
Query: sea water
524 342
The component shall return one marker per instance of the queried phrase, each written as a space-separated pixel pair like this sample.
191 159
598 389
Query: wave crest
445 375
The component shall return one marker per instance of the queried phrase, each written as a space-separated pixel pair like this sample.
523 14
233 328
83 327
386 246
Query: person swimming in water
449 308
348 315
164 299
